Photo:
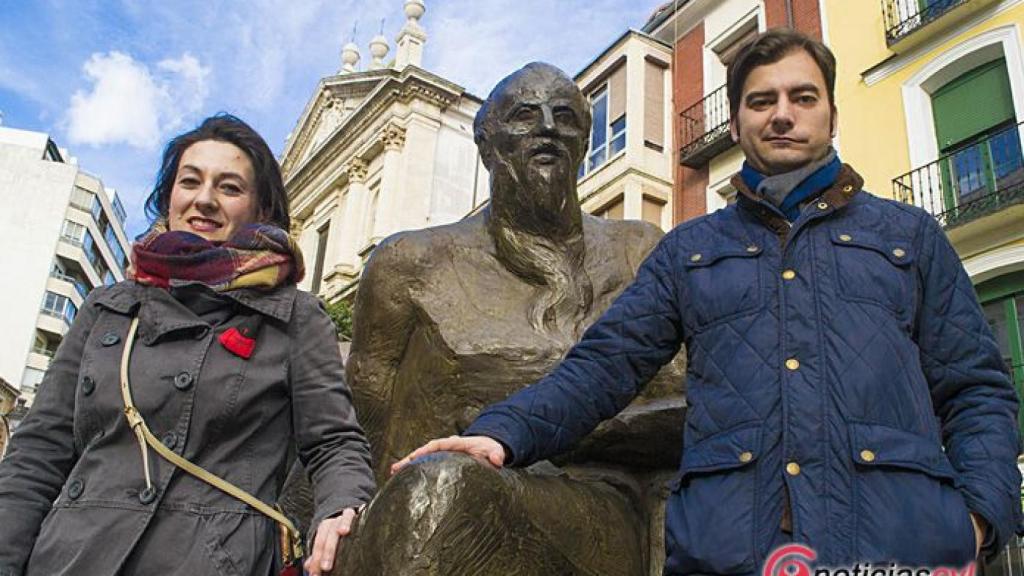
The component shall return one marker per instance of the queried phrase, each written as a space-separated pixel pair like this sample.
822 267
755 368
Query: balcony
80 285
903 19
974 181
704 130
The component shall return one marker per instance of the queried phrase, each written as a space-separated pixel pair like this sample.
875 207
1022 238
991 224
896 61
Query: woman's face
214 192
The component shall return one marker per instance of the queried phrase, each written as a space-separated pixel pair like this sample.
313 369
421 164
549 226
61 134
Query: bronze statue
452 318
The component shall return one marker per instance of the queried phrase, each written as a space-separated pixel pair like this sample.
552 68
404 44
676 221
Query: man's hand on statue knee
325 544
480 447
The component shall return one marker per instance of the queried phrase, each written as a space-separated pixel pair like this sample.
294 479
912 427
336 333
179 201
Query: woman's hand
325 544
479 447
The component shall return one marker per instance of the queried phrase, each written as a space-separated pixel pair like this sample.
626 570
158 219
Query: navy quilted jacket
843 364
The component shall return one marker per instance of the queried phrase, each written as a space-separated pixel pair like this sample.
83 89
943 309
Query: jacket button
183 381
746 457
899 253
793 364
752 248
169 440
148 495
867 455
109 339
88 385
845 237
788 274
848 189
75 488
695 258
793 469
822 206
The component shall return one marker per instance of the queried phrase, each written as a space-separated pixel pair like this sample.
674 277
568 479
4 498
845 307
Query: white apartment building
62 234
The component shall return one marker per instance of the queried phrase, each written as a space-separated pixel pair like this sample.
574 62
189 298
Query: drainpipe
789 14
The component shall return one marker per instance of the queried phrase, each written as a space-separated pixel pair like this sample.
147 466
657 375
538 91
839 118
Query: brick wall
688 89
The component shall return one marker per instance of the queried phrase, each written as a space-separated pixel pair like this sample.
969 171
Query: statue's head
533 127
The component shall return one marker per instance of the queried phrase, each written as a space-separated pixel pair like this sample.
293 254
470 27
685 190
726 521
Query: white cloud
130 104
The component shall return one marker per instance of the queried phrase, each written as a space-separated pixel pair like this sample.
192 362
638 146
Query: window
30 379
119 209
608 112
115 248
1002 301
614 210
321 251
81 198
74 232
654 104
97 212
59 306
974 125
651 210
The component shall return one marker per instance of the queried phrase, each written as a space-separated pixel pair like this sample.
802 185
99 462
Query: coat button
793 469
88 385
848 189
788 274
109 339
793 364
148 495
822 206
75 488
695 258
183 381
899 253
867 455
746 457
169 440
752 248
845 237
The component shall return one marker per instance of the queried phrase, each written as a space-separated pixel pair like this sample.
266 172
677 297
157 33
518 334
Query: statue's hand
325 545
479 447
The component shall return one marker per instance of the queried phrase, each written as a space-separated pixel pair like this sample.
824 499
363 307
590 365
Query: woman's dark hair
271 198
768 48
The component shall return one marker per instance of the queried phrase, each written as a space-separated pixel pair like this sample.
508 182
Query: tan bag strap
144 436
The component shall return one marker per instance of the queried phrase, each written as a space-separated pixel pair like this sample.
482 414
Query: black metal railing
978 179
704 129
903 17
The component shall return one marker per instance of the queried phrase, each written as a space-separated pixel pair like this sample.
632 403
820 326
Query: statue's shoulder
636 237
413 251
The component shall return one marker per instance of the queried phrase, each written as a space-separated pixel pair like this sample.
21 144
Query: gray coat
72 490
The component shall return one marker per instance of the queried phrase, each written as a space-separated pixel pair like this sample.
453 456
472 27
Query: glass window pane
995 313
618 143
599 129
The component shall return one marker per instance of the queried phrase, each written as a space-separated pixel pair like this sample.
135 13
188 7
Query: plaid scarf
256 256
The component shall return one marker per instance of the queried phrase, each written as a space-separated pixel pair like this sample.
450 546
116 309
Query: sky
111 81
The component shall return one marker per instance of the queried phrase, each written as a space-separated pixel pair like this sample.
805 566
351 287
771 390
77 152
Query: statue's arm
636 336
384 317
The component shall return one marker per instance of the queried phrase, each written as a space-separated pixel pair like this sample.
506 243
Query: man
452 318
845 390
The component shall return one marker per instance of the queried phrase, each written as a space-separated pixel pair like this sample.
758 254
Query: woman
230 367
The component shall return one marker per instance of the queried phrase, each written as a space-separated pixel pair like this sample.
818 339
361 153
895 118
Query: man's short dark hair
770 47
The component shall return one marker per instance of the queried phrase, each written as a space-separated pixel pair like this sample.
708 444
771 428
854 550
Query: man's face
539 134
785 120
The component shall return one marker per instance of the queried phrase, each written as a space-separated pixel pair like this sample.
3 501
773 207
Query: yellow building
931 103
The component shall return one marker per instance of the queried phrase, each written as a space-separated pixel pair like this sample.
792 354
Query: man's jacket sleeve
970 388
600 375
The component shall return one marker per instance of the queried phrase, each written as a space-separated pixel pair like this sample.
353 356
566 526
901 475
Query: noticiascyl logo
790 560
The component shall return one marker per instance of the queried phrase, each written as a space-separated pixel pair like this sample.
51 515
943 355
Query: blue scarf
789 190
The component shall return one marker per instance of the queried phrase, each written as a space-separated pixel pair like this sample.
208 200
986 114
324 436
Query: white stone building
378 150
63 235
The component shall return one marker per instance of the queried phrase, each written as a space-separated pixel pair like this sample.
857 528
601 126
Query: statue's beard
538 234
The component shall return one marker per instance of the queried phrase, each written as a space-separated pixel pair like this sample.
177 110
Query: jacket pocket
725 281
908 507
874 270
709 517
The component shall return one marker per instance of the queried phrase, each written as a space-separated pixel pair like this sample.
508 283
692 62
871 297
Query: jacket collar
847 185
160 313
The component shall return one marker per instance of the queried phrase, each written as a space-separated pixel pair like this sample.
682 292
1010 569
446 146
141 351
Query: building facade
627 172
377 151
705 36
941 84
64 236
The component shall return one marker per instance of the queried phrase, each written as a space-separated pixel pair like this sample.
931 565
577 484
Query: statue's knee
447 479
